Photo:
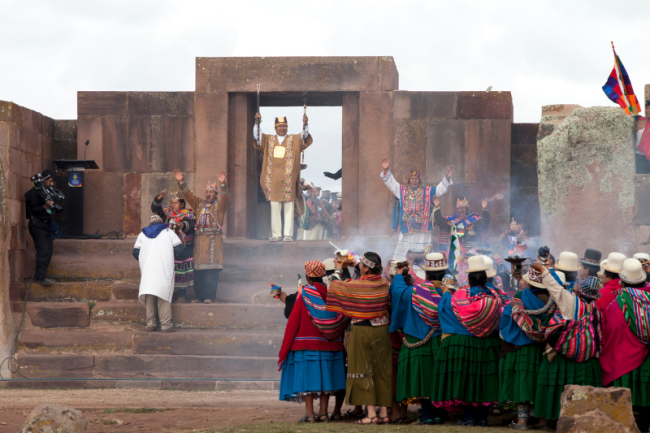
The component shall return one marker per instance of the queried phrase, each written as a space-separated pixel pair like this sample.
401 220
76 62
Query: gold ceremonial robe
208 243
281 165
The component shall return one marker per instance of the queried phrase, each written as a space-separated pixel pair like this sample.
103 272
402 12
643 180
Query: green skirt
554 375
518 374
370 367
638 381
466 372
415 369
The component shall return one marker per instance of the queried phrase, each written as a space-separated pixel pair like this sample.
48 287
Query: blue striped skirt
311 371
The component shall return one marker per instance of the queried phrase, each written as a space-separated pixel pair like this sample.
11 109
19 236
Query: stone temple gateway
138 138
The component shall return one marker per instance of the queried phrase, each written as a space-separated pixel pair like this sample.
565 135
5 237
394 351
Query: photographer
39 213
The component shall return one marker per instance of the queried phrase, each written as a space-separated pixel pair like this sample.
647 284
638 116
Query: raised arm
156 206
188 195
564 299
446 182
224 201
390 182
258 146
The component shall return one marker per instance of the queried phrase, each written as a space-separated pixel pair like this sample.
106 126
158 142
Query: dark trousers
205 284
40 232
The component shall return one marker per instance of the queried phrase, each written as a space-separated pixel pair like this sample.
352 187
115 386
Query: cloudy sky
544 52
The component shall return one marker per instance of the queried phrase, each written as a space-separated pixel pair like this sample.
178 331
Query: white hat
568 262
632 272
330 265
491 272
602 269
561 276
642 257
476 264
614 262
435 262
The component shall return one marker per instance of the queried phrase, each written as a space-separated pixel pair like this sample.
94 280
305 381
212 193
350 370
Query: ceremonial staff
258 110
304 101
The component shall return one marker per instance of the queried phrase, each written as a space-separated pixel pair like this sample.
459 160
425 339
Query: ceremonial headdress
155 218
462 203
367 262
632 272
415 173
281 121
568 262
314 269
176 195
476 264
435 262
534 278
211 186
592 257
614 263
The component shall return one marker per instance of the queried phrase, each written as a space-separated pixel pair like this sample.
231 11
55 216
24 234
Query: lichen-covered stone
586 167
590 409
54 418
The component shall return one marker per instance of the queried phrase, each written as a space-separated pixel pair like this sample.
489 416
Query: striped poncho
366 298
329 323
478 309
635 305
425 299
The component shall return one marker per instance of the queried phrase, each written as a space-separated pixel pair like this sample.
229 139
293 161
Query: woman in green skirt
414 310
573 342
465 373
522 328
626 338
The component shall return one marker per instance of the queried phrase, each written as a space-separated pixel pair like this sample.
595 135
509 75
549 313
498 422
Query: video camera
47 193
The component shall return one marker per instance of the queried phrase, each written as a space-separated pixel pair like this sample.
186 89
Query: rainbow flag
618 88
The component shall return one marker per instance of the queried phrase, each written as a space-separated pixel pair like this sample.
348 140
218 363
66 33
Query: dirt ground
120 410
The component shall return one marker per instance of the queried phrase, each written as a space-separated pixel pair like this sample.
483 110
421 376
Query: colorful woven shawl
365 298
416 208
444 233
533 326
330 324
479 314
425 299
635 305
578 339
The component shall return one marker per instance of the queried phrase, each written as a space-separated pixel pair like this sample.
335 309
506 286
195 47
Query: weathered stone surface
643 199
350 148
65 140
557 113
589 409
189 385
424 105
59 314
172 143
47 384
30 140
75 339
446 145
101 103
91 128
151 184
139 144
388 75
119 311
524 133
17 238
51 418
70 291
161 103
31 119
26 161
487 156
132 205
48 127
125 291
116 156
281 74
484 105
587 163
103 191
9 112
37 366
409 147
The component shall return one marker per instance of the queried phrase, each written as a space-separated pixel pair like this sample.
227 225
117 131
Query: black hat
592 257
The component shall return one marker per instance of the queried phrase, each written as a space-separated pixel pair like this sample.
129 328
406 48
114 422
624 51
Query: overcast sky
544 52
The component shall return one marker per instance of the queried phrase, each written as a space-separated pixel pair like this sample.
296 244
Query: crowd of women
383 339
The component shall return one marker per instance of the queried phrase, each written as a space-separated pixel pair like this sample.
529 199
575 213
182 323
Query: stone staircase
90 325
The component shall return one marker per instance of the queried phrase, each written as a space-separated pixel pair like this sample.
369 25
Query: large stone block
484 105
31 119
15 187
9 112
161 103
350 148
26 160
54 418
587 163
16 265
524 133
132 205
38 366
487 155
643 199
17 238
116 152
16 212
75 339
446 145
91 129
101 103
604 408
103 202
211 131
409 148
15 157
151 184
172 143
138 149
424 105
59 315
68 291
282 74
9 135
65 139
30 140
49 127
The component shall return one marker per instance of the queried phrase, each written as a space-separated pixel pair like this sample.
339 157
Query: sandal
319 418
385 420
336 416
310 419
351 414
372 421
208 301
274 239
195 301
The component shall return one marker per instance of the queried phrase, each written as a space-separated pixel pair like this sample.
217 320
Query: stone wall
586 179
472 130
524 200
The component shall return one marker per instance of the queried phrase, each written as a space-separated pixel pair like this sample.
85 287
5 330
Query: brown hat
280 121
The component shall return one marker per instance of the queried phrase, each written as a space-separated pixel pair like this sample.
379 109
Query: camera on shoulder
48 192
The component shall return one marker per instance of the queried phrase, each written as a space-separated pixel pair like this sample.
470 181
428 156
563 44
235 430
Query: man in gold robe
281 172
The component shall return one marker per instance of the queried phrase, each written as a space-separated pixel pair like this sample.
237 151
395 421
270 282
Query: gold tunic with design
281 165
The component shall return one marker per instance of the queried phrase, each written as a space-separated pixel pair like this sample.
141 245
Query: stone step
171 385
40 366
217 316
208 343
59 315
86 339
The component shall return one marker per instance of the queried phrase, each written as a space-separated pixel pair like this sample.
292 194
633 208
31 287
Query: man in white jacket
156 248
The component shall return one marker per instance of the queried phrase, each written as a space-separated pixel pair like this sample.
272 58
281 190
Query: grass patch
110 422
132 410
345 427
